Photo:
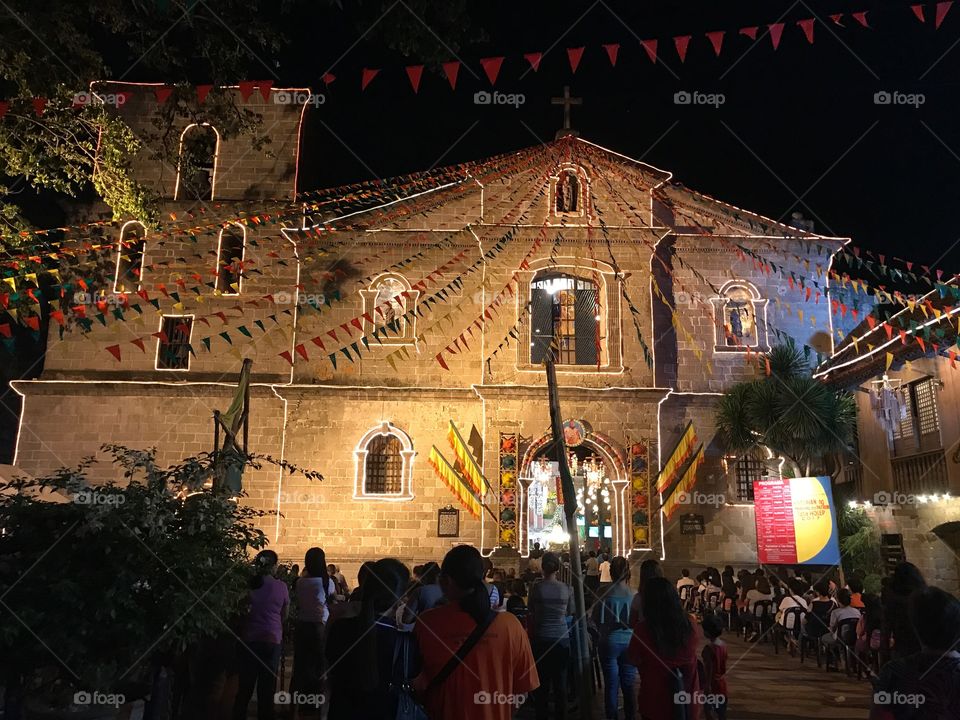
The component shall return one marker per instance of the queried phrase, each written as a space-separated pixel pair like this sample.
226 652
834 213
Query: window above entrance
384 464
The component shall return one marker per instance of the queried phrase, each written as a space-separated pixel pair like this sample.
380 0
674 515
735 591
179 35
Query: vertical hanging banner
639 494
508 512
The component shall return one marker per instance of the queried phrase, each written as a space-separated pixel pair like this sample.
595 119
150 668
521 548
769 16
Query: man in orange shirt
496 673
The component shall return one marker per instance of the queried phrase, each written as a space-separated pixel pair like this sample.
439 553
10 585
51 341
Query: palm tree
787 411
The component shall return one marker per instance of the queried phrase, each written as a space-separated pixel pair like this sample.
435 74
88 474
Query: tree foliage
788 411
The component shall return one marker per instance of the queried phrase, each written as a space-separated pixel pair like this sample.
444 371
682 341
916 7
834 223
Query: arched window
565 317
568 193
740 322
130 247
384 464
230 259
196 177
389 309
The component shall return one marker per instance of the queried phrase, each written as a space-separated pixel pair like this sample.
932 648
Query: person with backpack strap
476 663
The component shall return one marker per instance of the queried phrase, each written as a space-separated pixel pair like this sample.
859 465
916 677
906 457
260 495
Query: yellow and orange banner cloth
453 480
467 463
686 483
678 458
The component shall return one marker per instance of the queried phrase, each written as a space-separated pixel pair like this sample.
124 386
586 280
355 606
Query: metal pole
582 655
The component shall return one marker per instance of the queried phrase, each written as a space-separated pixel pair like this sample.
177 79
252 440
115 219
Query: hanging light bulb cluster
596 494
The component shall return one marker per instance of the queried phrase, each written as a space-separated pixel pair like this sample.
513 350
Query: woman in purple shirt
261 637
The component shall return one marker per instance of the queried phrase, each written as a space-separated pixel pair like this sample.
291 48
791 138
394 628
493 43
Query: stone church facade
371 328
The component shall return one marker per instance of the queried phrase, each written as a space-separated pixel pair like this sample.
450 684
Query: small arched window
389 307
739 318
230 259
565 317
384 459
197 171
130 249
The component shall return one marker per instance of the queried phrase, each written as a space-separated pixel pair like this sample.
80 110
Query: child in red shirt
714 657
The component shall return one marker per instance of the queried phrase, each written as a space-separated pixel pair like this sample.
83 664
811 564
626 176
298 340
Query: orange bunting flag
467 462
454 482
679 456
686 483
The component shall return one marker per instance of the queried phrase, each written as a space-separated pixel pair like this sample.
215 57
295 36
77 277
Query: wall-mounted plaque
692 525
448 522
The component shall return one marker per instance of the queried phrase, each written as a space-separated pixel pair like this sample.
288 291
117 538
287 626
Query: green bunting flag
226 336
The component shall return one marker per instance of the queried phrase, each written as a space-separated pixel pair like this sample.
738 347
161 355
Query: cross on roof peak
567 103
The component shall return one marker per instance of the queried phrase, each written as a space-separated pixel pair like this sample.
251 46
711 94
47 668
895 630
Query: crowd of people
465 639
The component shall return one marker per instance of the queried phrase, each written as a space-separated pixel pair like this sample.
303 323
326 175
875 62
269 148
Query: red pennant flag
612 50
889 330
333 334
318 342
922 344
286 356
367 77
139 343
776 30
162 94
414 72
861 17
4 107
716 39
5 330
328 78
750 32
807 27
246 89
651 47
953 359
871 321
265 87
534 59
451 69
39 105
681 42
301 351
202 92
115 351
442 362
58 316
574 55
33 322
491 66
836 19
918 11
942 9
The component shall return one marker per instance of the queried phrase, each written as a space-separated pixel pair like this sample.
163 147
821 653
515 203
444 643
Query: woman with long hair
469 652
898 637
664 650
315 591
649 569
368 655
261 638
426 595
611 617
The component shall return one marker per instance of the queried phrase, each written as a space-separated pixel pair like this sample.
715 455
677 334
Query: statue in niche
568 192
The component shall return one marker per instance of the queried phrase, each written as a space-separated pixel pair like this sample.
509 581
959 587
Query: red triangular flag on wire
139 343
942 9
265 87
716 39
442 362
776 30
115 351
836 17
302 351
39 105
861 17
491 66
246 89
750 32
681 42
807 27
918 11
162 93
367 76
414 72
612 50
574 55
202 92
286 356
534 59
328 78
651 47
451 69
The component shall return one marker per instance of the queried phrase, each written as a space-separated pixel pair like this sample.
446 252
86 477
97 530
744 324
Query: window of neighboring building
749 467
130 248
565 320
919 427
384 459
173 349
196 179
230 259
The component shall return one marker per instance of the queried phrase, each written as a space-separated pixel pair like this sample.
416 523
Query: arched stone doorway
616 481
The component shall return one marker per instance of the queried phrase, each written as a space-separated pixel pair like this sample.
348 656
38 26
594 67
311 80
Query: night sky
800 122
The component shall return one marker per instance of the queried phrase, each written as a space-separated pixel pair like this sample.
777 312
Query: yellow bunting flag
889 361
470 468
687 481
453 481
679 456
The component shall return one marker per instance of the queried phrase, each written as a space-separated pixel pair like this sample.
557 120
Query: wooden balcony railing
923 473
